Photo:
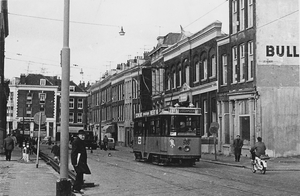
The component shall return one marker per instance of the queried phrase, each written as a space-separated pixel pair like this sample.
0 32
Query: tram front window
186 126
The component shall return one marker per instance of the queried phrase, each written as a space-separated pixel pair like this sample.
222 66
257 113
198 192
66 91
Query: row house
78 105
258 89
247 81
35 93
115 99
157 67
29 95
190 78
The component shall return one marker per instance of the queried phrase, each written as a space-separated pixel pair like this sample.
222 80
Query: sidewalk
26 178
274 164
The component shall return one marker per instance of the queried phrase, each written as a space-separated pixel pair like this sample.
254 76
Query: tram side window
196 124
165 126
152 127
157 127
185 126
138 128
173 126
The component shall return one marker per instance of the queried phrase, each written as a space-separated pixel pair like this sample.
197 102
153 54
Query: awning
108 129
72 129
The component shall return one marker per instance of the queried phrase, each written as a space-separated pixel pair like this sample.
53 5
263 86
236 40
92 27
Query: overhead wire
206 13
59 20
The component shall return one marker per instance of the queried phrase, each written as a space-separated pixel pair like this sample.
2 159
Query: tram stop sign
39 115
214 127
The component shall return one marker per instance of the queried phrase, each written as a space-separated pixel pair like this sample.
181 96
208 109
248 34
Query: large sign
277 32
277 43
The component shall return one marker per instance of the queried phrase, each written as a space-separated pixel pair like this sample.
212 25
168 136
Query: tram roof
170 111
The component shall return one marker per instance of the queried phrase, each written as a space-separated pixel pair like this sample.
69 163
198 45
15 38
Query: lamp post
63 185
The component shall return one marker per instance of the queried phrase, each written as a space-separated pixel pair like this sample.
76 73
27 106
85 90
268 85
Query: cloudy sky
36 32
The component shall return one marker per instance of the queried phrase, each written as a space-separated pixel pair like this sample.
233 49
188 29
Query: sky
36 32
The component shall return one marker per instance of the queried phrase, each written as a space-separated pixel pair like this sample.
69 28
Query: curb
247 167
223 163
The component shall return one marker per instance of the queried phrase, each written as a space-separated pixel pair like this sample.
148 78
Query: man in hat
79 160
237 145
8 146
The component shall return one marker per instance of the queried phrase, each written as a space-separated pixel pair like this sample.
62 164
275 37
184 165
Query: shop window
71 103
242 15
42 82
197 71
250 13
79 118
80 104
250 61
242 63
224 69
234 17
71 117
234 64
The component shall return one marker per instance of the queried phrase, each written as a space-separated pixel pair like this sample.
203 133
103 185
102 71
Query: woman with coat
79 160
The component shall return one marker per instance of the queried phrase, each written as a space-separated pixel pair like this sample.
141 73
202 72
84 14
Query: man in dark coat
237 145
56 152
8 146
105 142
79 160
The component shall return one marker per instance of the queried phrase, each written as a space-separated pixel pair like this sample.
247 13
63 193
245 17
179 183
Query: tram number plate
139 140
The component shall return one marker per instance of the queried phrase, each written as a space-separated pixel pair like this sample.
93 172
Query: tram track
227 182
50 161
55 165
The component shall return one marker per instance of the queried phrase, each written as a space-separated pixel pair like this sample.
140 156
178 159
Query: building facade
114 101
34 93
28 96
247 81
157 66
191 75
78 107
258 66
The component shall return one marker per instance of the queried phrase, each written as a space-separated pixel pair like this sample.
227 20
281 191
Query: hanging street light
122 32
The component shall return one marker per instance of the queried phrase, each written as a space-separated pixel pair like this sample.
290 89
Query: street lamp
122 32
63 185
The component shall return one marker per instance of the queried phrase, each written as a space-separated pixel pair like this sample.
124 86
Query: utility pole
63 185
4 89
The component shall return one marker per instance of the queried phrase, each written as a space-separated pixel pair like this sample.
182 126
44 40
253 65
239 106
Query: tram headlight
187 149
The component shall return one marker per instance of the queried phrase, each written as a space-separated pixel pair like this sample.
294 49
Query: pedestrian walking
49 141
56 152
8 146
237 145
79 161
105 142
15 140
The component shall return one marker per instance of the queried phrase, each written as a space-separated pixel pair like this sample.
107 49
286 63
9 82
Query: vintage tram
169 136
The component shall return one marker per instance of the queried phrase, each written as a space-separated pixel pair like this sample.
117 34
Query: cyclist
258 149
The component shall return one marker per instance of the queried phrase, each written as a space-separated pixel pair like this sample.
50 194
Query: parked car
111 144
46 140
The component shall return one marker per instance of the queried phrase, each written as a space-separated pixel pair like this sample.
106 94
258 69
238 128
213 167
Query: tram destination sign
187 110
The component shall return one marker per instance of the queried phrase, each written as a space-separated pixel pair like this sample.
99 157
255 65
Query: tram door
164 134
145 137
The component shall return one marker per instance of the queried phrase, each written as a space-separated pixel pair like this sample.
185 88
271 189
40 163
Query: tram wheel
188 163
